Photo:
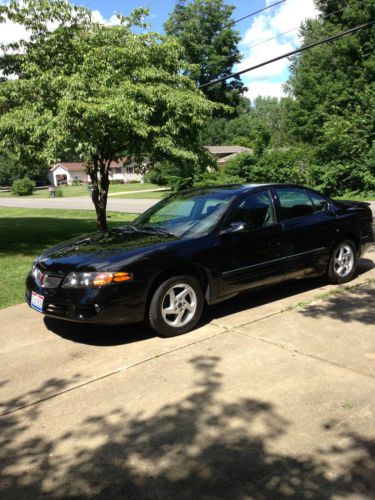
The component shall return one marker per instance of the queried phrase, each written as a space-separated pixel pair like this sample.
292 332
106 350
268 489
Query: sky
266 81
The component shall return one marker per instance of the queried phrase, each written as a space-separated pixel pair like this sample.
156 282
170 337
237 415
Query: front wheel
176 306
343 263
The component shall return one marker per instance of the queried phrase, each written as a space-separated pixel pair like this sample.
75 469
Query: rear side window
321 204
294 203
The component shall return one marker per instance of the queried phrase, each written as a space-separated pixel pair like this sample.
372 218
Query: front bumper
111 304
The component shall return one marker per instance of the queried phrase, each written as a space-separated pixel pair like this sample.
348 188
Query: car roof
238 188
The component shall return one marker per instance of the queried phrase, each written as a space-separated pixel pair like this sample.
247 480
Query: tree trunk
99 175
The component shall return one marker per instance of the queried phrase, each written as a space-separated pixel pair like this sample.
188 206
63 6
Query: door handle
276 243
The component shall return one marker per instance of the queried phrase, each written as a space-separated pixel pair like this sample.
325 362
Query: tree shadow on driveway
196 446
358 306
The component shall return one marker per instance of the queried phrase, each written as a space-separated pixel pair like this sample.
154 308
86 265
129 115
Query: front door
254 256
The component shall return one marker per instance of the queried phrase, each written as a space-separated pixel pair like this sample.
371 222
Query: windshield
187 214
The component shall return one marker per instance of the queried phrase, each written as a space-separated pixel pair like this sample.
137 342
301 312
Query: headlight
81 280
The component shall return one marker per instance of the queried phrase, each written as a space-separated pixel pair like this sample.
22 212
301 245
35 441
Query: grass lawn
25 233
69 191
134 195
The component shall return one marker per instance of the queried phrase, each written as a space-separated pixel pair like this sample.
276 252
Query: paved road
84 203
267 399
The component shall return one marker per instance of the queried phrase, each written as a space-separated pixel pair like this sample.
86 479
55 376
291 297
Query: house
69 172
226 153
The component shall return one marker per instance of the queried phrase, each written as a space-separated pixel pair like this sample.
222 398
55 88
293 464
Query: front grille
57 309
51 281
45 279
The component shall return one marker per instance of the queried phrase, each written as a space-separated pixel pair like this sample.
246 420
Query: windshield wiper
127 226
156 229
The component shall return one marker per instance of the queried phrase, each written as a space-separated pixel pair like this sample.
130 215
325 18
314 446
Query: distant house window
129 170
116 170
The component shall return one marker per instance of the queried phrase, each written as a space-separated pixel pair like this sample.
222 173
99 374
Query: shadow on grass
31 235
195 446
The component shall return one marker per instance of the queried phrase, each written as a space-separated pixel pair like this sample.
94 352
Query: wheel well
189 269
349 236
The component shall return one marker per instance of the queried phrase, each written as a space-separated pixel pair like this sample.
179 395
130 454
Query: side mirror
235 228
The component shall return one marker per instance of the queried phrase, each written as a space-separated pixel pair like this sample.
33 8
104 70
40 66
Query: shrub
77 182
23 187
59 192
156 176
291 165
117 181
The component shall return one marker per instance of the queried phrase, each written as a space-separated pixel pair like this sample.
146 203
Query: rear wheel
176 306
343 263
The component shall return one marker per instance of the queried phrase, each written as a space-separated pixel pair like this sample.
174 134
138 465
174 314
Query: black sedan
199 247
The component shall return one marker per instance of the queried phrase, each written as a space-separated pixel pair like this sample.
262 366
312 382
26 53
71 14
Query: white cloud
271 89
13 32
271 23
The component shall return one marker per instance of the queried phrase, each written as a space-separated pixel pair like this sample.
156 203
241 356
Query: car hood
100 251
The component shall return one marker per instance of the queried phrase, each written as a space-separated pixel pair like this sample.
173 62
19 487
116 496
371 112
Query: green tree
334 90
205 29
99 93
263 125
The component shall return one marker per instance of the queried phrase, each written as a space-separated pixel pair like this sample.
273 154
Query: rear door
255 256
309 225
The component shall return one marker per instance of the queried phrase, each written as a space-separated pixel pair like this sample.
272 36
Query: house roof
228 150
226 158
74 166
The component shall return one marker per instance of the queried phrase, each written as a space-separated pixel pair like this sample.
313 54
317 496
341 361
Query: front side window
294 203
256 210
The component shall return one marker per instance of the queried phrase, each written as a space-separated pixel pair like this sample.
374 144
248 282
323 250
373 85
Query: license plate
37 301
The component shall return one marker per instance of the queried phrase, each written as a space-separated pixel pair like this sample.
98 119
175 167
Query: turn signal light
107 278
119 277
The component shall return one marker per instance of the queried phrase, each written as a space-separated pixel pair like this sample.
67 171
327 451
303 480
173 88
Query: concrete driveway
272 397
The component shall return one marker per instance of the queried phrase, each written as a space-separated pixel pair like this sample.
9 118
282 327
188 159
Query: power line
321 18
252 14
288 54
297 27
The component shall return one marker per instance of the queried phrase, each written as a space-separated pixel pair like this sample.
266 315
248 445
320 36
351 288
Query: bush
156 176
59 192
117 181
292 165
77 182
23 187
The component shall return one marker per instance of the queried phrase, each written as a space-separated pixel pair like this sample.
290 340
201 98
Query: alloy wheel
343 260
179 305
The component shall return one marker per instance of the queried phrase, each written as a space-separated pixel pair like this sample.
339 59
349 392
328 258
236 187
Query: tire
343 263
176 306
